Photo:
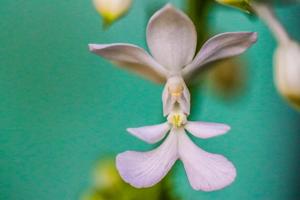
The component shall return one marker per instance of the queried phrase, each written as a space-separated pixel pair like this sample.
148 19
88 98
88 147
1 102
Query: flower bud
287 71
243 5
111 10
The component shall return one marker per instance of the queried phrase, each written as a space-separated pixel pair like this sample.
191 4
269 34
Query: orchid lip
205 171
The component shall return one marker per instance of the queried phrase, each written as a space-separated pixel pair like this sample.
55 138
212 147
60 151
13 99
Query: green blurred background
62 108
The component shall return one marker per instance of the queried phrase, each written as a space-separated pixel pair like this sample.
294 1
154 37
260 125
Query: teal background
62 108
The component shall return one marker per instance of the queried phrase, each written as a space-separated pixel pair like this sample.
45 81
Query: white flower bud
286 57
287 71
111 10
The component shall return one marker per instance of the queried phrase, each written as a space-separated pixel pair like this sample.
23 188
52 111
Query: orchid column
172 40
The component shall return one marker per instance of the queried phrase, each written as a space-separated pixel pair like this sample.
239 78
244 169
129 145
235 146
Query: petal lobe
205 171
145 169
150 134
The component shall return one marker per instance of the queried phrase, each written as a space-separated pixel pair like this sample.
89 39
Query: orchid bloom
172 40
205 171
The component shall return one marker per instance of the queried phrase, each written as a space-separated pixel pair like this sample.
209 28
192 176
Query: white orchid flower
111 10
205 171
286 57
172 40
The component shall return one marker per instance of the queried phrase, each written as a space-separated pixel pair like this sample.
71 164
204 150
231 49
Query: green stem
198 12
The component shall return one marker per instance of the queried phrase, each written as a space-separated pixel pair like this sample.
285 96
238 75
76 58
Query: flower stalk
266 13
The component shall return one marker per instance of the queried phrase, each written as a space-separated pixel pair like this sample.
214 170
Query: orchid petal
172 38
168 101
205 171
206 130
145 169
185 100
150 134
132 58
221 46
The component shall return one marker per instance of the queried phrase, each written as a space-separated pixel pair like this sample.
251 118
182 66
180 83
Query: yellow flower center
177 119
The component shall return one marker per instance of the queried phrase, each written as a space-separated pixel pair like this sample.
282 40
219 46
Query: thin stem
266 13
198 11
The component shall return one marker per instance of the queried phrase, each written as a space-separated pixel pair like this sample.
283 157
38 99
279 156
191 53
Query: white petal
167 100
132 58
150 134
206 130
172 38
205 171
185 100
145 169
221 46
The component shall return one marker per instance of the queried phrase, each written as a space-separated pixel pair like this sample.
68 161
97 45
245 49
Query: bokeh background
63 108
